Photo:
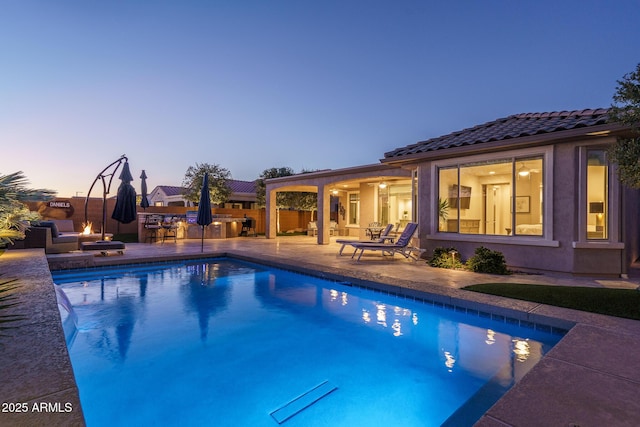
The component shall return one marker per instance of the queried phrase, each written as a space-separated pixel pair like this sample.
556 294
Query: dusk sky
251 85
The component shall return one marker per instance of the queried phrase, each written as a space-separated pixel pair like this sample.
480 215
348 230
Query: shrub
446 258
487 261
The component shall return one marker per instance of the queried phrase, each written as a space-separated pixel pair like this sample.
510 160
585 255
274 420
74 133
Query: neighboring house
243 195
168 195
538 187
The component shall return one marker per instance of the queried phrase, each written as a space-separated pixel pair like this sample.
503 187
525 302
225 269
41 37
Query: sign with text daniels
56 209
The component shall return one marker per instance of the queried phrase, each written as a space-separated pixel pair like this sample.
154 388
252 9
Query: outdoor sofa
45 234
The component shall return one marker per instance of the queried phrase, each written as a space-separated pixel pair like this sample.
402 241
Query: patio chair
312 228
384 237
152 225
372 225
402 246
333 228
169 228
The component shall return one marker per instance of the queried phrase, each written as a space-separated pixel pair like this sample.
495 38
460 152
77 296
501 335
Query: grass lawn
612 302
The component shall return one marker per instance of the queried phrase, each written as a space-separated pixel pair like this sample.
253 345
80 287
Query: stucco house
538 187
243 195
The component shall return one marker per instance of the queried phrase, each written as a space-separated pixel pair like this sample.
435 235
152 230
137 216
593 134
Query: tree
301 200
626 110
261 187
304 200
14 214
218 187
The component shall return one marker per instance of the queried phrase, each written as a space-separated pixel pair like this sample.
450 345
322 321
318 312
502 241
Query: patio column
271 218
324 214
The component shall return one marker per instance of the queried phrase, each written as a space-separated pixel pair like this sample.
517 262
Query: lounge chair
384 236
401 246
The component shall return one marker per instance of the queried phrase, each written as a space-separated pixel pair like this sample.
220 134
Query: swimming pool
228 343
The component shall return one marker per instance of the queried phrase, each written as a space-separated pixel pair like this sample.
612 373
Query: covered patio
352 197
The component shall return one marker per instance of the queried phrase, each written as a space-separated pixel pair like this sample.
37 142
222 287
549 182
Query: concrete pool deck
590 378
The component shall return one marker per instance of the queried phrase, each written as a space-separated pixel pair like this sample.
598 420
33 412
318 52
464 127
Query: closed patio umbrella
204 208
144 202
125 209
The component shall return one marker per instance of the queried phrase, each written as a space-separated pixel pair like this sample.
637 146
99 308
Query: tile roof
170 190
242 186
515 126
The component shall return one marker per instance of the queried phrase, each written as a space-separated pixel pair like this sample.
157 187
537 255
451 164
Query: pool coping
515 408
38 386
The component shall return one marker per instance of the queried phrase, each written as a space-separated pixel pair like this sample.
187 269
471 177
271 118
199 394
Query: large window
497 197
597 205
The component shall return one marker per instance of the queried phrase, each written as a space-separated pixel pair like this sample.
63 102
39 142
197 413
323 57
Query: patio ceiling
354 184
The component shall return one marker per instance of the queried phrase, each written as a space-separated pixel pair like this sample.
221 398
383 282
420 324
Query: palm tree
14 214
7 300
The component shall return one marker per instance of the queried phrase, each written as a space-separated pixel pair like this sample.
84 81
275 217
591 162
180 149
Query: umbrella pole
202 240
104 207
105 191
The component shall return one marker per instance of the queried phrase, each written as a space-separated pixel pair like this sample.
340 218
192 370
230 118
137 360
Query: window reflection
381 314
491 337
397 328
450 361
521 349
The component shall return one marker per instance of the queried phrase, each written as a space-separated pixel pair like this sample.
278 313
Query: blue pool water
227 343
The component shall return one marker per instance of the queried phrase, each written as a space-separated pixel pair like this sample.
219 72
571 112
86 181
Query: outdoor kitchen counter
222 227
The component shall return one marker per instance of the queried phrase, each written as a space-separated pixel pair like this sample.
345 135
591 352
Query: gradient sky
251 85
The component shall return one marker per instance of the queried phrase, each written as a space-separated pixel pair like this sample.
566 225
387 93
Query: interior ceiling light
523 171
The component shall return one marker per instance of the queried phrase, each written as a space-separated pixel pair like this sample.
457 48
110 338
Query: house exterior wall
565 249
367 208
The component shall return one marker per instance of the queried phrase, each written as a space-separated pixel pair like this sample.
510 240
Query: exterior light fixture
382 185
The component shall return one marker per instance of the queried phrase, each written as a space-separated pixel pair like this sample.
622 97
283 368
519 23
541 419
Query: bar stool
152 225
170 229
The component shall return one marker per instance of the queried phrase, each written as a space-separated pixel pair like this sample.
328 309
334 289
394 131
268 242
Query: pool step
302 402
